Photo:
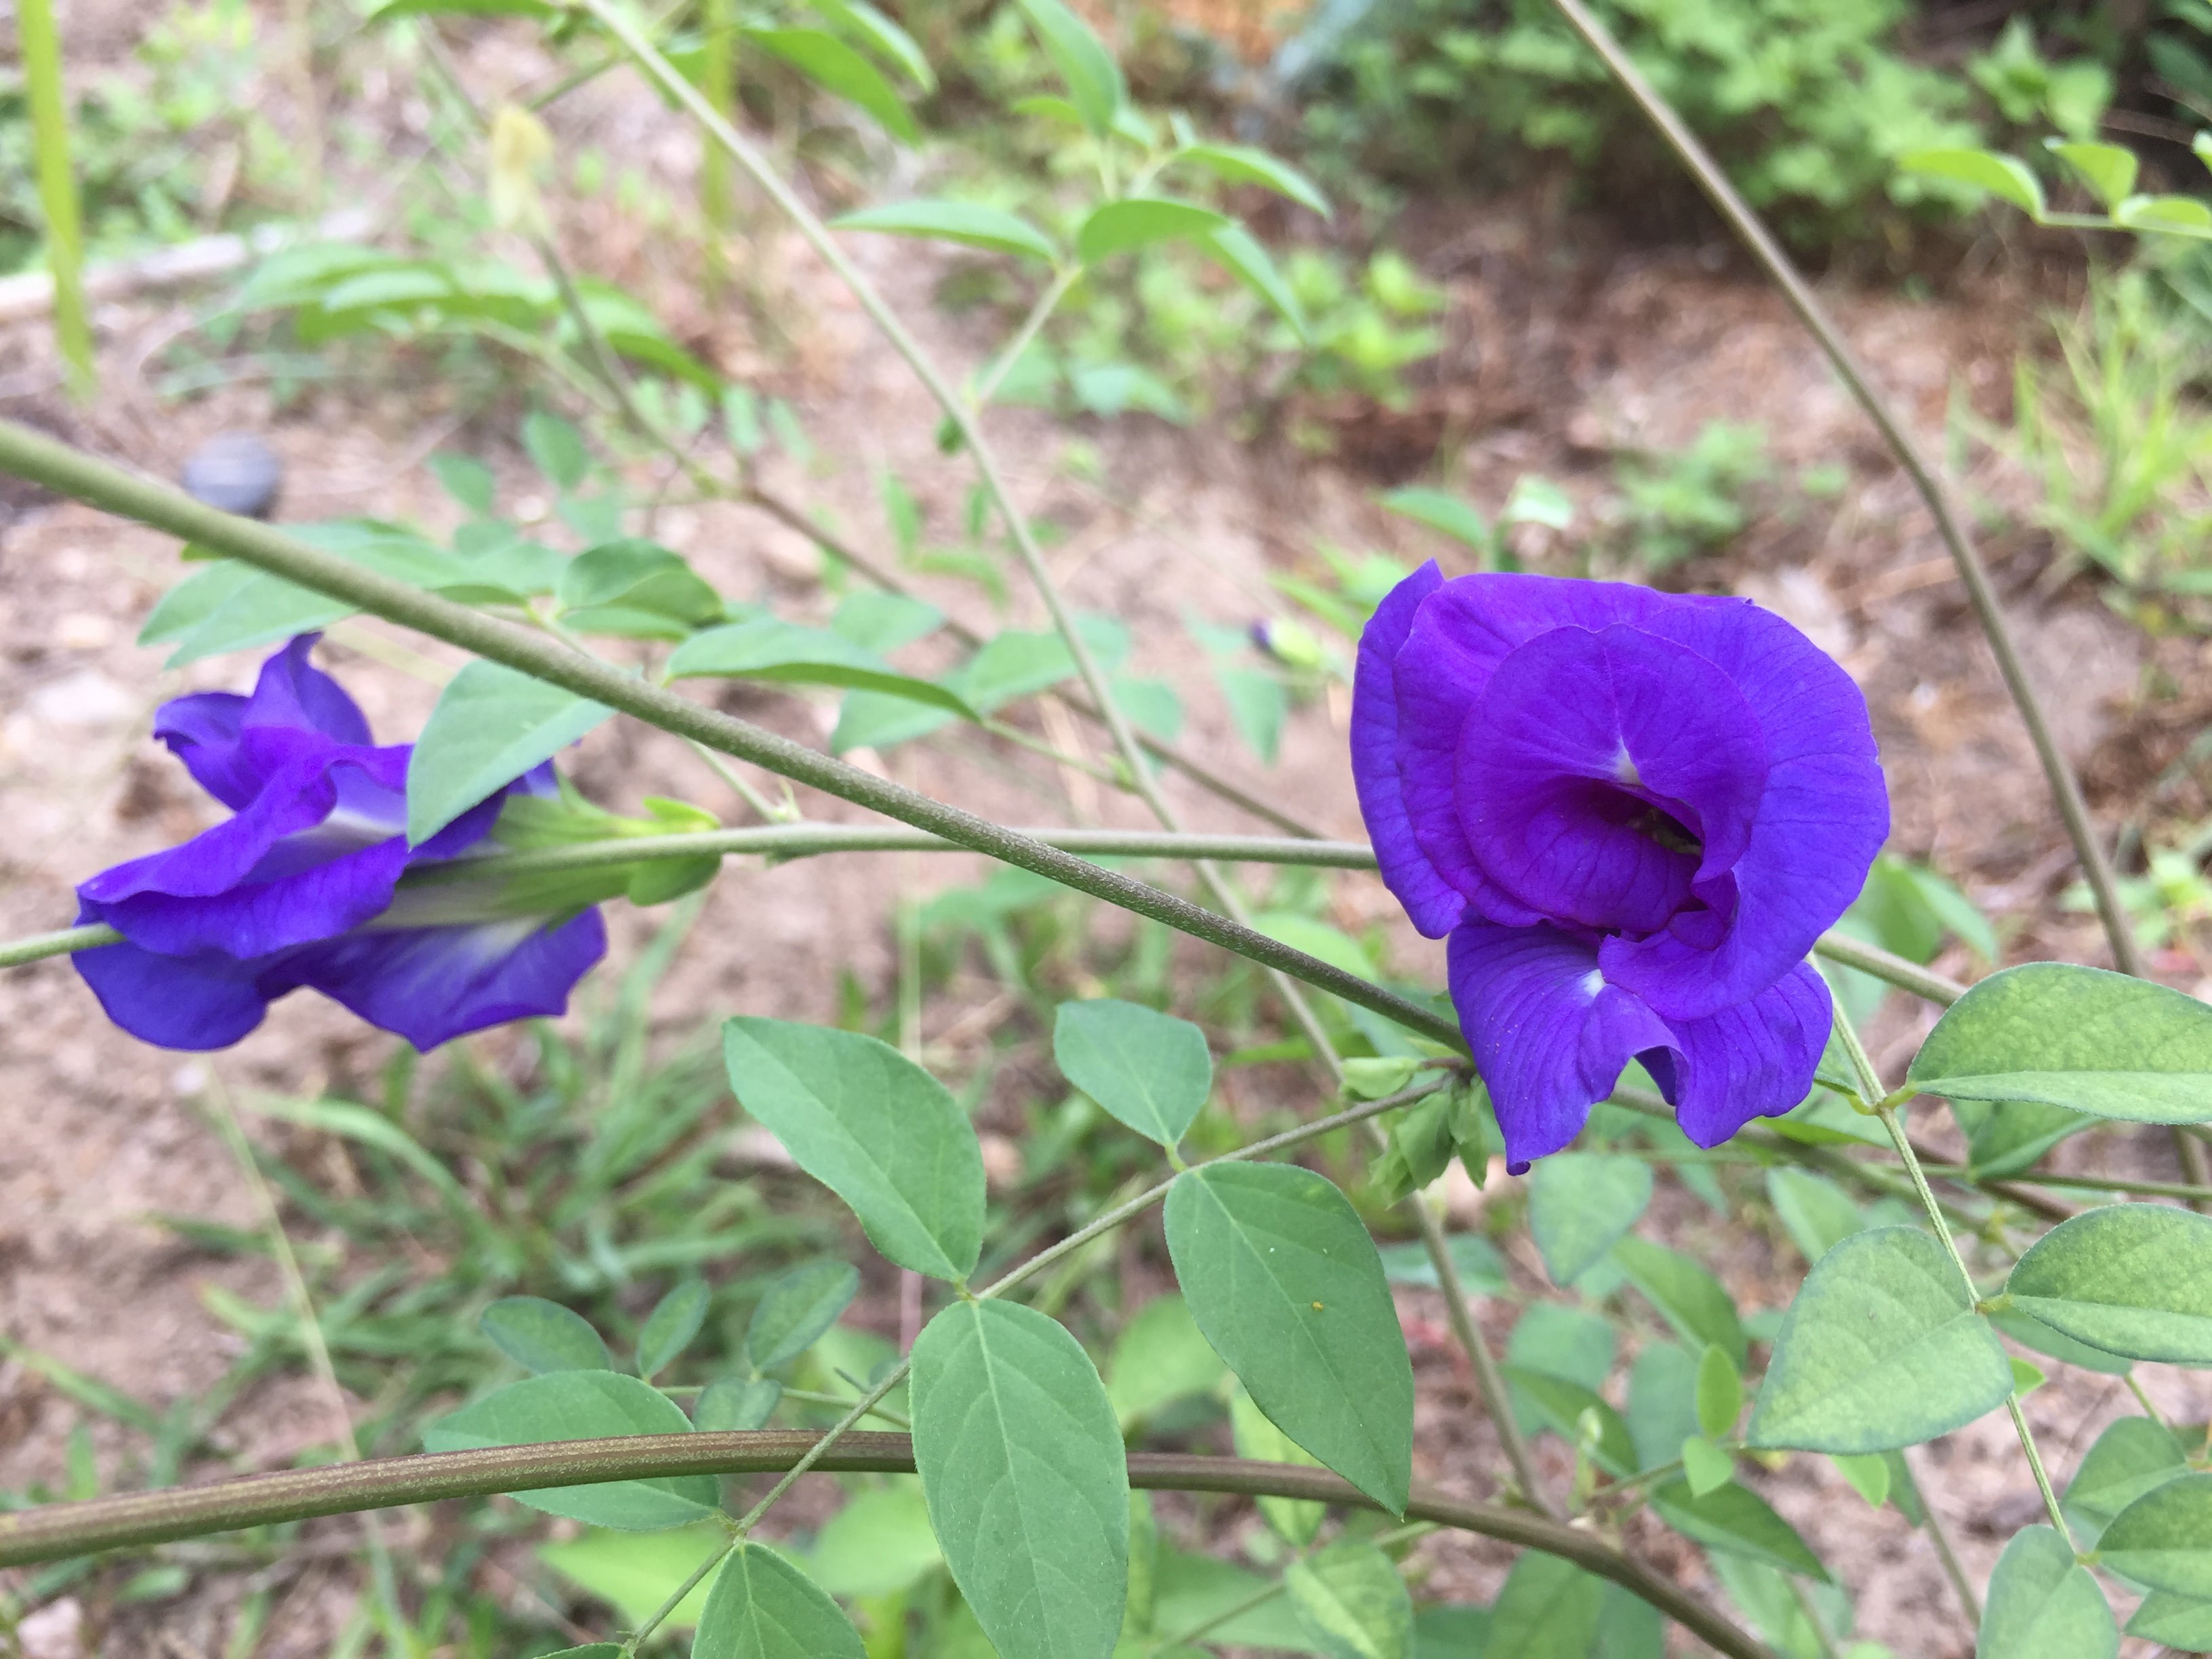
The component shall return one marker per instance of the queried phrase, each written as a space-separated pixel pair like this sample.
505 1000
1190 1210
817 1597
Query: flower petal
202 731
1755 1059
1433 904
287 869
292 692
1823 816
1549 1035
430 984
1589 758
197 1002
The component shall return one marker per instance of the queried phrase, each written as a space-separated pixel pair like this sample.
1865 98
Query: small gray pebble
236 472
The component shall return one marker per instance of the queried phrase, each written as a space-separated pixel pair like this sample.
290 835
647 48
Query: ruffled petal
196 1002
1549 1035
287 869
431 984
1755 1059
1824 815
1433 904
202 732
292 692
1461 634
1603 774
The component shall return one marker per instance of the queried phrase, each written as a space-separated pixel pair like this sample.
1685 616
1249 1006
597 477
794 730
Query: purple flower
1633 812
301 886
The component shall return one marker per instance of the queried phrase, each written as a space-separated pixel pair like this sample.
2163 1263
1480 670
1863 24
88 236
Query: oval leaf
1881 1348
733 1403
2164 1539
2044 1606
831 64
2130 1279
634 574
1687 1296
2079 1037
1093 77
1581 1205
968 223
2108 169
787 653
492 724
669 1328
543 1336
2000 175
763 1607
2181 1622
1286 1283
1241 164
1740 1521
1022 1462
2132 1456
585 1405
1152 1070
873 1127
798 1308
1139 220
1351 1601
1252 265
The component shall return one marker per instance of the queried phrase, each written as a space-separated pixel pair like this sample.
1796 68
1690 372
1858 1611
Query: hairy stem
2065 789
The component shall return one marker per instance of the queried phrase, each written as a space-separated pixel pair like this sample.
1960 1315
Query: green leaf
1092 76
585 1405
1720 1393
968 223
2042 1605
2182 215
1152 1071
2132 1456
634 587
540 9
1286 1283
1578 1414
732 1404
884 621
543 1336
1481 1269
1241 164
2130 1279
1258 706
2038 1337
2000 175
2079 1037
1548 1610
637 1572
787 653
1581 1205
555 448
2163 1541
2180 1622
861 22
2004 1137
2107 169
831 64
795 1312
1159 1358
1252 265
763 1607
880 1543
1868 1473
492 724
468 481
1738 1520
1352 1602
873 1128
1662 1408
232 607
669 1328
1816 1213
1881 1348
1439 511
1021 1457
1138 221
1705 1467
1255 1434
1687 1296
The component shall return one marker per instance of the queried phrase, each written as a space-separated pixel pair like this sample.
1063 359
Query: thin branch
59 1531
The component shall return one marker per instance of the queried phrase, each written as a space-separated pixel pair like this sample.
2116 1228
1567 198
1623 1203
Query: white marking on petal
1624 768
1593 982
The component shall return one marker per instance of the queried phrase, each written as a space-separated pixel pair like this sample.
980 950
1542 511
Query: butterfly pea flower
302 885
1632 813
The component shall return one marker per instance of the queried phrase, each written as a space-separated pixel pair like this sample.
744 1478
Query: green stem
32 455
41 44
63 1530
37 947
2066 791
1047 303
